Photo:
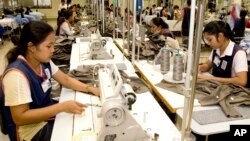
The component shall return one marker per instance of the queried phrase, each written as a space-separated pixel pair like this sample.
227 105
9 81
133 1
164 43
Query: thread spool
165 60
142 33
178 67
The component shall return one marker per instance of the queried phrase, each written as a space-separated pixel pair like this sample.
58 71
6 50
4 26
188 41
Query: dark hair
176 7
68 2
159 22
130 12
163 8
216 27
34 32
65 14
188 2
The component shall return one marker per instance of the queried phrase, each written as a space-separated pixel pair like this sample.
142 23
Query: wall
52 13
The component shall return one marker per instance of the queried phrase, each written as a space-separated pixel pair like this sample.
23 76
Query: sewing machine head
117 122
97 47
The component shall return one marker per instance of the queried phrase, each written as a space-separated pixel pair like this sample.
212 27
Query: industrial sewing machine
97 48
116 99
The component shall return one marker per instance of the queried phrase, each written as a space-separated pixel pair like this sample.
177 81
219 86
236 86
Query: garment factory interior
124 70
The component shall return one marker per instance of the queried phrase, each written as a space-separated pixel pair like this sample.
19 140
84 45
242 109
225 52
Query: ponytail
59 23
12 54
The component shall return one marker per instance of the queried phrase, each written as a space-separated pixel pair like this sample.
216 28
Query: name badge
47 73
46 85
216 61
223 64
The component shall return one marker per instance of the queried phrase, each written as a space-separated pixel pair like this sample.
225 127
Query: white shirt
65 29
239 60
62 6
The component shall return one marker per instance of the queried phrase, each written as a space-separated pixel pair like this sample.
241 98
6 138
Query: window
43 4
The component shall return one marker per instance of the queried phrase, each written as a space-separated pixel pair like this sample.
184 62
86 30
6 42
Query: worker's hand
202 67
74 107
94 90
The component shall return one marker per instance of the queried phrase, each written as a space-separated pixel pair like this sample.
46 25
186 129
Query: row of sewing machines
119 114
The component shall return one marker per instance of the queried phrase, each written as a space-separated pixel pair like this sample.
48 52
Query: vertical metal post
123 25
128 25
103 17
134 34
190 89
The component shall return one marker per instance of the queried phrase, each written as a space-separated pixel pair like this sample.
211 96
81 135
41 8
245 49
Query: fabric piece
85 74
205 117
138 85
173 87
226 95
63 47
148 50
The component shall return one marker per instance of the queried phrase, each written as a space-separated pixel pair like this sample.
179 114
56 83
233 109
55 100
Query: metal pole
198 38
185 131
123 25
103 17
190 93
114 17
134 34
128 24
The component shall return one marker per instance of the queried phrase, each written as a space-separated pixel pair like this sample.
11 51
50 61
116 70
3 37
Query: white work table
213 128
119 43
152 75
80 55
146 110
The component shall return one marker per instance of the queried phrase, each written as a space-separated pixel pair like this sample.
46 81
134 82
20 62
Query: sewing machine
97 48
116 99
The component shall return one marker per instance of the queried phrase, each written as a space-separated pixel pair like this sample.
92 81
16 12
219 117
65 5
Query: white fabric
62 6
239 61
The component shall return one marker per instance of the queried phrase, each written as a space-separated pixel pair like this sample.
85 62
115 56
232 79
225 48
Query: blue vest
39 97
223 66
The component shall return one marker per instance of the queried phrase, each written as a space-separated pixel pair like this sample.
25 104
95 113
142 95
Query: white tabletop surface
214 128
146 110
153 75
119 42
80 56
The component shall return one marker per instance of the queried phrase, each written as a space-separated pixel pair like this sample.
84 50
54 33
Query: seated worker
159 27
29 110
164 13
64 24
227 60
